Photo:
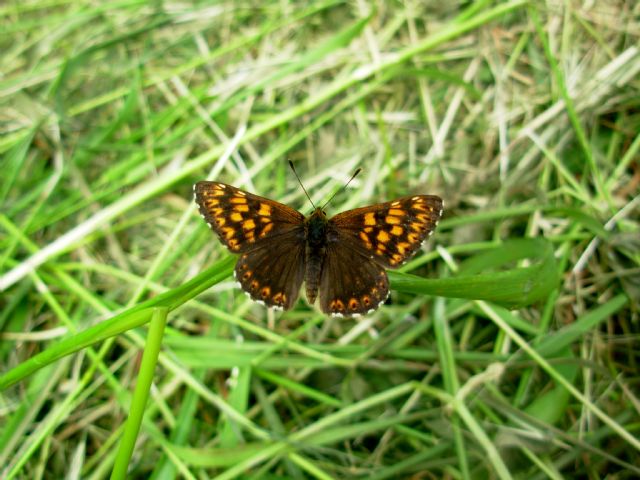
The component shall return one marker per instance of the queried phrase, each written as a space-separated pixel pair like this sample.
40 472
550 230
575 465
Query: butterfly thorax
315 226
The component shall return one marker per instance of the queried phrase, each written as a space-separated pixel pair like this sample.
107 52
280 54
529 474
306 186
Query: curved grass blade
513 288
131 318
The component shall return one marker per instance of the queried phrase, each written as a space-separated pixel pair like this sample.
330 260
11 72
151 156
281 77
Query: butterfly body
342 259
316 248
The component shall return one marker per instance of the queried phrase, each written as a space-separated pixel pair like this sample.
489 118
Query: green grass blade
141 393
120 323
513 288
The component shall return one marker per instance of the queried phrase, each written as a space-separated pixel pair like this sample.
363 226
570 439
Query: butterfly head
319 213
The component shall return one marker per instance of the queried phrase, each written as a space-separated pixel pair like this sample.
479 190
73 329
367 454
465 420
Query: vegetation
509 346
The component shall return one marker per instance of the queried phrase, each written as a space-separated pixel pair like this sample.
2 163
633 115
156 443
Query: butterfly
341 259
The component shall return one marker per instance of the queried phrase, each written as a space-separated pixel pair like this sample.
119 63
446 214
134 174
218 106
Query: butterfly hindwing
243 220
273 273
390 232
268 235
351 284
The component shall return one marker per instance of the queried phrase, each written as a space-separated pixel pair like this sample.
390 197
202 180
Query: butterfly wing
361 243
351 284
242 219
273 273
268 235
390 232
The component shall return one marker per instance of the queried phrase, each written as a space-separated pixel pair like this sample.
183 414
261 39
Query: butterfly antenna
300 182
345 186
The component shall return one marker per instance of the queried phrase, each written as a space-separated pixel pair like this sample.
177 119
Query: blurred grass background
522 116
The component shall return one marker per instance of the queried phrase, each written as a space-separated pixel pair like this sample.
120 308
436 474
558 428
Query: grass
509 346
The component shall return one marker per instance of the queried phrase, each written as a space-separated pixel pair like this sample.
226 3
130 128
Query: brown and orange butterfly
343 258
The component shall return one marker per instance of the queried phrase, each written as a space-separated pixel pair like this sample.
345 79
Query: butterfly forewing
243 220
390 232
269 235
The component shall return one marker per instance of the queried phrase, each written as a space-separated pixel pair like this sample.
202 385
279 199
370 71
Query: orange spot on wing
241 208
267 228
249 224
397 230
383 236
402 247
353 304
238 200
365 238
391 220
397 212
370 218
336 305
265 209
235 217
